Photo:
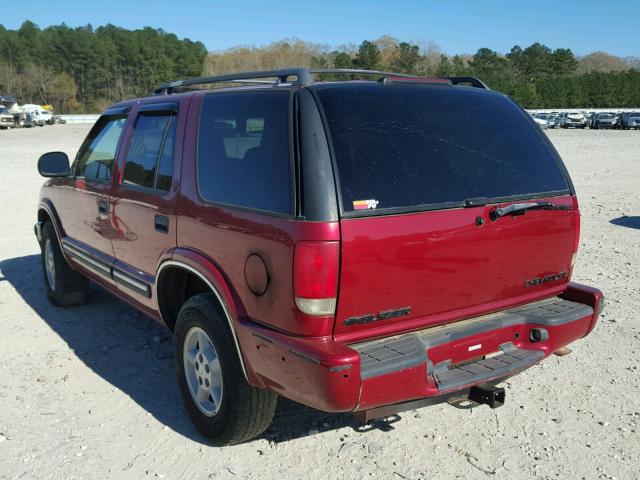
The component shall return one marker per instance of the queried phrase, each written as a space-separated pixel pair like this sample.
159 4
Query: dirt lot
89 392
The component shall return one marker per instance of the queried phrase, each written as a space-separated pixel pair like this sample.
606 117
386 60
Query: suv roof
289 78
304 76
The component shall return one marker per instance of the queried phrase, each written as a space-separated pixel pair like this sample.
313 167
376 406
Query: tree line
535 76
84 69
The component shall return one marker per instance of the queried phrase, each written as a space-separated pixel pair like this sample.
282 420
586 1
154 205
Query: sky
459 26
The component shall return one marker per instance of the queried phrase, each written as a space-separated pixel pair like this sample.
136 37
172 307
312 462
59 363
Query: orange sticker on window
365 204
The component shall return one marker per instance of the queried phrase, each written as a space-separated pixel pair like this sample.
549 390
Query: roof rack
303 76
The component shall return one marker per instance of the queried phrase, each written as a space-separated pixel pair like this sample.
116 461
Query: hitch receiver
487 395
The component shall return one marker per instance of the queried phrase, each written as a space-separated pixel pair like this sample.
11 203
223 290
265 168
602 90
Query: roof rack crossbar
473 81
301 75
360 72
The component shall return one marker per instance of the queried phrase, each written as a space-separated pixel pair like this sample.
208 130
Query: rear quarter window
410 146
244 156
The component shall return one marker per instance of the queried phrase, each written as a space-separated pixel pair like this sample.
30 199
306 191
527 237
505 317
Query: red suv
356 246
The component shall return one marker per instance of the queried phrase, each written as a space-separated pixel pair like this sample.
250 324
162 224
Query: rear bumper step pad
511 360
388 355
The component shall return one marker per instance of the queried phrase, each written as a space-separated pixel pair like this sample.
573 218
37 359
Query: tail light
315 277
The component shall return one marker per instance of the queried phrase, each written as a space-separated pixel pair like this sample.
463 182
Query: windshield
399 146
606 115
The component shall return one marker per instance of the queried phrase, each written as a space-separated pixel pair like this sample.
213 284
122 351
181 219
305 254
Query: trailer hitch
486 394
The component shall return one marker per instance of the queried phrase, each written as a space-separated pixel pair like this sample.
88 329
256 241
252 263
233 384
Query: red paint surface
445 267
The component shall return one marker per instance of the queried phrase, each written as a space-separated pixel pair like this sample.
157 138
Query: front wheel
221 404
65 286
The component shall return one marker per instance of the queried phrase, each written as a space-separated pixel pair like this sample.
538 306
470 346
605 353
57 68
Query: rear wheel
65 286
221 404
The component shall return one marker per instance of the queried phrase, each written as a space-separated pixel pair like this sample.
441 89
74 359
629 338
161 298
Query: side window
149 160
95 158
243 151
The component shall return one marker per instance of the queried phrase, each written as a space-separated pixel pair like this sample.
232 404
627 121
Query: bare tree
601 62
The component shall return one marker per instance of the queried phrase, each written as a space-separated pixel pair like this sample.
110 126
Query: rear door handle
161 223
103 207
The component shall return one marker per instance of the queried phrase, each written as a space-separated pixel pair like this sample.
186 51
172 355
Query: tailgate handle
161 223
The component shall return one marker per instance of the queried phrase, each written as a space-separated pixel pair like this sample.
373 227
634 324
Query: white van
41 115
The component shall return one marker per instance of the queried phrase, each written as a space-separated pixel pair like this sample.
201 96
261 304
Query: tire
65 287
241 411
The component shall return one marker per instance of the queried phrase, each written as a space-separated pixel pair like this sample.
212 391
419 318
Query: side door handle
161 223
103 207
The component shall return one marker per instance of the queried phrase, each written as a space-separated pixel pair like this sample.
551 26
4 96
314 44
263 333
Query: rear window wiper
521 208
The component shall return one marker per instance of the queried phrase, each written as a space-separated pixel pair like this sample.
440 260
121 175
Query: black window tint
149 160
95 158
243 151
409 145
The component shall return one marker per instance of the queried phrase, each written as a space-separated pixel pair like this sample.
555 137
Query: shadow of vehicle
134 354
624 221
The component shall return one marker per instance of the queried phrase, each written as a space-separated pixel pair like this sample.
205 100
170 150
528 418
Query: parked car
57 119
296 243
540 122
572 120
630 120
549 118
44 117
7 120
30 120
617 121
604 120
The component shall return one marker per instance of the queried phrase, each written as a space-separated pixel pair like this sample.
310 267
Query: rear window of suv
413 147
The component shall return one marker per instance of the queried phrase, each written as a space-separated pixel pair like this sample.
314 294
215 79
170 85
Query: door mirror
54 164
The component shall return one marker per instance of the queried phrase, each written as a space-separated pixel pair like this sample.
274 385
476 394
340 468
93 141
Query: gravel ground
89 392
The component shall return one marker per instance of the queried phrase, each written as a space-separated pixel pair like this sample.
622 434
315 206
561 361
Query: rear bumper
434 362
